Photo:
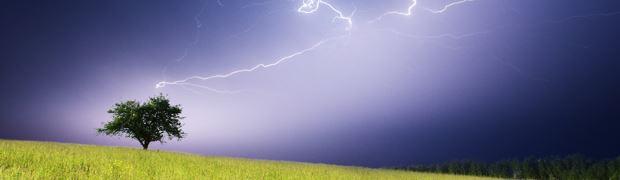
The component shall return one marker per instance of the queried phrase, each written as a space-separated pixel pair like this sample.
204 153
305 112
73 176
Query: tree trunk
145 146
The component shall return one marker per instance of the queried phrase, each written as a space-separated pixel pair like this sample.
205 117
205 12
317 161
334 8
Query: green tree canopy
146 122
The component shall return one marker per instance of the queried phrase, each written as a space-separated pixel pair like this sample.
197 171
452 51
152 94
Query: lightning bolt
208 88
198 25
409 12
412 6
446 7
307 7
233 73
311 6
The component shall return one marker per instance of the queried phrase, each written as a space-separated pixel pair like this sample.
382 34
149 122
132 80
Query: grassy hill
28 160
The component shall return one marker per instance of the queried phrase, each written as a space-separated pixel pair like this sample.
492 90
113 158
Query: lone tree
146 122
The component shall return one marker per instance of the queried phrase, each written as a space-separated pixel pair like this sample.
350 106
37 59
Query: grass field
28 160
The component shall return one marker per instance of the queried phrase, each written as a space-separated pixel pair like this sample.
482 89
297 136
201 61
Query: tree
146 122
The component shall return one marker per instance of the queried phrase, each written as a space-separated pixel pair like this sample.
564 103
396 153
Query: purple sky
483 80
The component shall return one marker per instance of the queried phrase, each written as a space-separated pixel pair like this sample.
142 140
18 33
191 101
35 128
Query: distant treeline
573 167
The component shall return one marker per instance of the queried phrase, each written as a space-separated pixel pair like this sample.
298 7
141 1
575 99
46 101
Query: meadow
47 160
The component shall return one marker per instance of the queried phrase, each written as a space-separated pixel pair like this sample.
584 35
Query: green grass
44 160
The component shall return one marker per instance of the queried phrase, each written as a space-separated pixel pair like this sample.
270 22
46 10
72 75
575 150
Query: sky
350 82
